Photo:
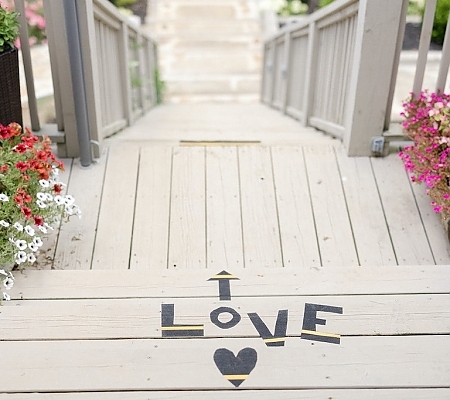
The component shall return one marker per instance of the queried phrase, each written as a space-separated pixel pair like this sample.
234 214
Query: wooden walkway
201 267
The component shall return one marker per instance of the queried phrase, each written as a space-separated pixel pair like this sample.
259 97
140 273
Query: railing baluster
424 45
445 60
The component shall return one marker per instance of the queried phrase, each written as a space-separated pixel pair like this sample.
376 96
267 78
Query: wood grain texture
223 210
261 234
265 282
151 220
310 394
371 233
76 239
334 231
411 245
96 365
141 318
297 229
187 231
115 223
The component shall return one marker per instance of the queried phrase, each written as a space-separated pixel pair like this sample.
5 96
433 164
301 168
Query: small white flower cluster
26 249
7 280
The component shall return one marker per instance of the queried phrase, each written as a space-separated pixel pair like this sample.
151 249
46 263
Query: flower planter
10 104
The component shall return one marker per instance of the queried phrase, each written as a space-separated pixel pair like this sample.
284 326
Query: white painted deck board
405 225
261 234
76 239
187 229
151 220
223 209
369 227
358 362
115 221
334 232
363 315
299 244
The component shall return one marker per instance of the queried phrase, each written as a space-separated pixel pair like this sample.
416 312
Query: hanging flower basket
10 103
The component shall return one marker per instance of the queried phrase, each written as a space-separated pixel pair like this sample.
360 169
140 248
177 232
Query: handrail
119 62
333 70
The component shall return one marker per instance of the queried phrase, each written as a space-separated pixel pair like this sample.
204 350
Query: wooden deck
314 238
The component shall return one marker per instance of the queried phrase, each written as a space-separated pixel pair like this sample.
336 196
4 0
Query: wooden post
285 71
375 46
125 69
311 67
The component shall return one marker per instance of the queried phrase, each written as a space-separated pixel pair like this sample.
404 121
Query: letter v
279 336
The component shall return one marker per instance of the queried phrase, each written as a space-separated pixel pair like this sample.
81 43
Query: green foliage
9 29
123 3
440 21
298 7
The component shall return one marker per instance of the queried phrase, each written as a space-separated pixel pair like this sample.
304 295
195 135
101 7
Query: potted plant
10 103
427 124
31 199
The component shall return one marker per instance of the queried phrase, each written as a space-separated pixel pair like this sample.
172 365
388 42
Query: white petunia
48 226
4 223
69 200
8 282
21 244
59 200
29 230
6 296
41 204
18 226
4 197
48 196
21 257
44 183
3 272
31 258
42 228
37 241
41 196
33 246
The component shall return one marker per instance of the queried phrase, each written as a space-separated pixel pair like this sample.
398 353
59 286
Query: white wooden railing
119 63
333 70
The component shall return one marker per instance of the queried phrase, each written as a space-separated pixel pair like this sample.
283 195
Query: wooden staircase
209 50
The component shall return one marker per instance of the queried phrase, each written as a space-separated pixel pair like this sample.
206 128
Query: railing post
125 68
285 71
375 46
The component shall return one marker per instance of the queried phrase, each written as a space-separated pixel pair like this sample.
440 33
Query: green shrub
440 21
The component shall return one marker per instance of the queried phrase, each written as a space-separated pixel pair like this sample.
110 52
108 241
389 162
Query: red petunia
20 148
4 168
38 220
22 166
26 211
18 199
57 188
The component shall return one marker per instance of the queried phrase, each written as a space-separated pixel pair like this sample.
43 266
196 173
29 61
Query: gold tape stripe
314 333
273 340
236 377
183 328
224 277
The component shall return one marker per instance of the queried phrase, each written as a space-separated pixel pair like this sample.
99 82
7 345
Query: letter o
214 316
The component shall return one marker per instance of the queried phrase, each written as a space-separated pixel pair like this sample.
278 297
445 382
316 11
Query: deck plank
151 220
76 239
334 232
372 238
405 225
187 232
141 318
97 365
261 234
434 228
297 229
265 282
223 209
115 222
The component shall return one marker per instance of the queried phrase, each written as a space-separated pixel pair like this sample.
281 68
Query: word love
271 337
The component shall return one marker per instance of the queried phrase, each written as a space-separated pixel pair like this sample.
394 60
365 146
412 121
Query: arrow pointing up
224 279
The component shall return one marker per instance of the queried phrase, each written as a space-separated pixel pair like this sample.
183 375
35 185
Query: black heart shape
236 368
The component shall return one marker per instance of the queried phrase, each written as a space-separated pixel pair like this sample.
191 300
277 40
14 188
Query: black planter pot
10 104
